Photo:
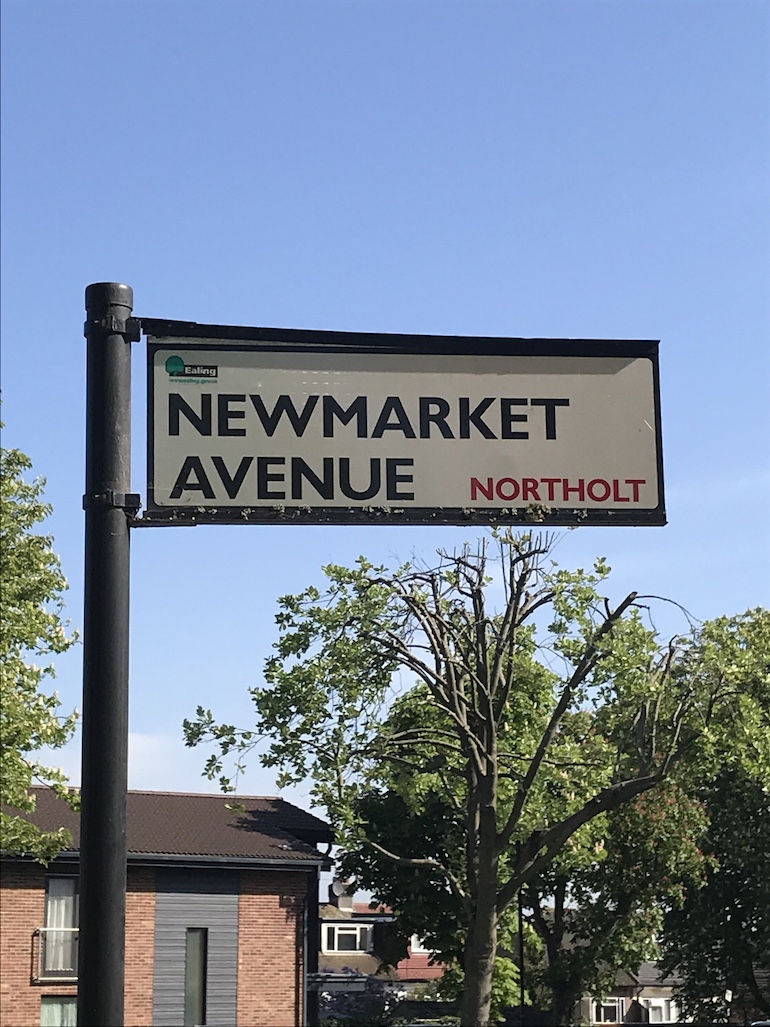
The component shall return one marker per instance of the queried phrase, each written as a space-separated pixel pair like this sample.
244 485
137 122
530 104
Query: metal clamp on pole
129 327
129 502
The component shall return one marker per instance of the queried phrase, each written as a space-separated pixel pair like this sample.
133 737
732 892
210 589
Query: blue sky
536 168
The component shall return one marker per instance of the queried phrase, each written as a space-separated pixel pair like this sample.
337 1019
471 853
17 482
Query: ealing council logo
177 368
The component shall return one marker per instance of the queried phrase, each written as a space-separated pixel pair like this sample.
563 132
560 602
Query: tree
534 719
32 627
719 940
596 908
599 907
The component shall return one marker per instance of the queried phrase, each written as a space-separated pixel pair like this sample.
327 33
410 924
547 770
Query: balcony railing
55 954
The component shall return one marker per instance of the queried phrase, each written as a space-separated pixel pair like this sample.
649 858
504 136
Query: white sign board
263 432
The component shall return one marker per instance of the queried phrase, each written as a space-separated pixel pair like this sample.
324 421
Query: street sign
270 425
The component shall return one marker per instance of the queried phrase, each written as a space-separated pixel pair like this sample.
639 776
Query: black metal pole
105 656
520 901
312 945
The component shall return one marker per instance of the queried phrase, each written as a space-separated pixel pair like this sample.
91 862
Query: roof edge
181 860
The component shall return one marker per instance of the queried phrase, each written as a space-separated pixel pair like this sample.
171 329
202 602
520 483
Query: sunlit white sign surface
243 432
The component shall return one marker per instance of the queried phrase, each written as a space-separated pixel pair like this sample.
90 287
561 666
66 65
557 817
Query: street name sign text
270 425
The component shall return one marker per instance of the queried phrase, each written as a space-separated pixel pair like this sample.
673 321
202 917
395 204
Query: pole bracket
129 502
130 327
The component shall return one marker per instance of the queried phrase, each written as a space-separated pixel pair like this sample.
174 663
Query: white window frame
668 1009
598 1010
60 936
417 946
362 932
655 1003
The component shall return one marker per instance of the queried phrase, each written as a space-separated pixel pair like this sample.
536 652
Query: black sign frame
232 337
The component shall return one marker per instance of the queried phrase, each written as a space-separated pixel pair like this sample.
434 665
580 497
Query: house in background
418 968
221 909
357 938
357 941
646 996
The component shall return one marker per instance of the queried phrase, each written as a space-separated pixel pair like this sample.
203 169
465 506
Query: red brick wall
270 941
270 949
140 946
22 910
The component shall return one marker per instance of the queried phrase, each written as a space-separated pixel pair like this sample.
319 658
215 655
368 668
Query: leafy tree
596 909
599 907
32 627
719 940
535 718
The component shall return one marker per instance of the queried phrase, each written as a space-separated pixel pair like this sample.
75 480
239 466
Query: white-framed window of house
661 1010
60 938
417 946
609 1010
58 1011
346 937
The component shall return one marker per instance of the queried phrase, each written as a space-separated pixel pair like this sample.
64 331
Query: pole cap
103 297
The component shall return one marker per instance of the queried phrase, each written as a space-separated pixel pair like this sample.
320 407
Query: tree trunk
565 998
481 946
479 964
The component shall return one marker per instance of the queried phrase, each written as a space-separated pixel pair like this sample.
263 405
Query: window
610 1010
417 946
196 945
346 937
58 1011
661 1010
60 935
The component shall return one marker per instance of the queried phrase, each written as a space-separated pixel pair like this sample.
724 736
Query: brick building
220 907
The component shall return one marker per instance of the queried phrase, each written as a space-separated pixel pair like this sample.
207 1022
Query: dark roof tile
200 825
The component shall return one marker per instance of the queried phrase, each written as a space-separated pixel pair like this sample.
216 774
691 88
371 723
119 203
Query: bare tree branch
433 864
581 672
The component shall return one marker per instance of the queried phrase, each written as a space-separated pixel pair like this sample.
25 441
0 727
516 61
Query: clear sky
536 168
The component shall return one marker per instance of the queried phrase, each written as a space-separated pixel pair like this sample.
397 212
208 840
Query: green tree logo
175 365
